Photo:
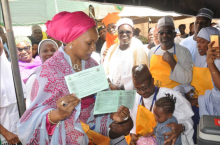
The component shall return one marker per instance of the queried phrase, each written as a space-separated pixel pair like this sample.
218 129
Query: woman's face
47 49
34 49
24 52
202 45
83 46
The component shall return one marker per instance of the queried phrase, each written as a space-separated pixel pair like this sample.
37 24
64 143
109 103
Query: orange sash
94 137
160 71
201 81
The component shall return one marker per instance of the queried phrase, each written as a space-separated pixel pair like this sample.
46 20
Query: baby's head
164 108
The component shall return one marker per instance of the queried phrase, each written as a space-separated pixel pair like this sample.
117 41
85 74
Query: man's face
119 129
155 36
178 35
201 22
191 28
166 35
150 38
125 33
111 28
145 89
102 34
182 29
37 34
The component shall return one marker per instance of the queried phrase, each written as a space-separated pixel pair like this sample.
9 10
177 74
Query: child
163 110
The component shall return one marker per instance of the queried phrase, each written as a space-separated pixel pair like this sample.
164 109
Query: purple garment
26 69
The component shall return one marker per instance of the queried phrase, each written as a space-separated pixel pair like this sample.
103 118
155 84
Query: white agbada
182 72
102 51
191 45
118 65
8 103
183 112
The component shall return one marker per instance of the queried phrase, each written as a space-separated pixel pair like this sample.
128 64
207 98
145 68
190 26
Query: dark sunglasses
121 32
26 48
168 32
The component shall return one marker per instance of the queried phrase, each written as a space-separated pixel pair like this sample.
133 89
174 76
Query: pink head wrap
66 26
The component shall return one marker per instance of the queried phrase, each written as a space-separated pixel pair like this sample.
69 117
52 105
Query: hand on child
149 134
193 101
174 134
134 139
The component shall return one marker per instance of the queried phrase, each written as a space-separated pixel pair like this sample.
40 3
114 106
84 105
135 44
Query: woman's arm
10 137
212 55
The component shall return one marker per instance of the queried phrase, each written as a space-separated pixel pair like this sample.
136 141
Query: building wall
144 26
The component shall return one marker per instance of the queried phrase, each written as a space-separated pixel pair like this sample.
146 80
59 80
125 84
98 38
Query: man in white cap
170 63
203 19
121 57
37 32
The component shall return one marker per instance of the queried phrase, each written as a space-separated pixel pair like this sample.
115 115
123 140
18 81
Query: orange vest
160 71
201 81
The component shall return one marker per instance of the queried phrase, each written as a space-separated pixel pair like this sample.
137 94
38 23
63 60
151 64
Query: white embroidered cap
165 21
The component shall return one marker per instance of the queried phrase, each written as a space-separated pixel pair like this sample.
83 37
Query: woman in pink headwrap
54 115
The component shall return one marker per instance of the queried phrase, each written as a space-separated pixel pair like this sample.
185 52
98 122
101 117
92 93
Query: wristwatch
183 129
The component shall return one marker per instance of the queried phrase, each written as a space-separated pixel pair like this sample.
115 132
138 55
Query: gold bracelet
49 118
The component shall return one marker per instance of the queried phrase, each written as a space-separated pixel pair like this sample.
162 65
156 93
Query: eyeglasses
168 32
144 89
26 48
121 32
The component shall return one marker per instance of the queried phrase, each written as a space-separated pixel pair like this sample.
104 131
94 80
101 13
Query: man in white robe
180 70
121 57
203 19
9 114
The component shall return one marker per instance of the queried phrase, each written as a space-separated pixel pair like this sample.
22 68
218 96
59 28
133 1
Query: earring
71 46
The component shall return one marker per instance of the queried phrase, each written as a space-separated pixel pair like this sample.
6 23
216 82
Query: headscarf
66 26
33 40
140 73
44 41
19 39
111 18
100 28
206 32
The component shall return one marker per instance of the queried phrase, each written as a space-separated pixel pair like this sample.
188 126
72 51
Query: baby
163 110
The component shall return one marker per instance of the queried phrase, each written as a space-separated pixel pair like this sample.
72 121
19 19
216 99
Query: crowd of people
176 78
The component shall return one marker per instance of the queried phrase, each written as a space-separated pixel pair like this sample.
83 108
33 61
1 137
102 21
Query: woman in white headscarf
46 49
209 102
8 103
